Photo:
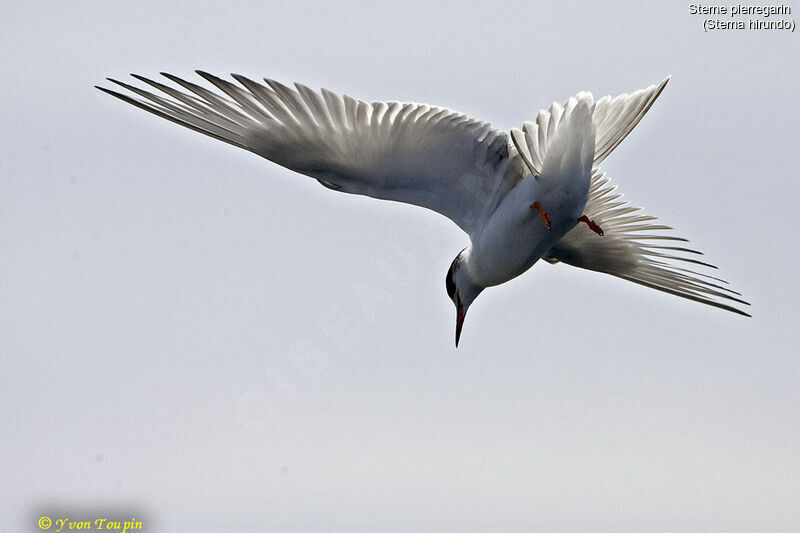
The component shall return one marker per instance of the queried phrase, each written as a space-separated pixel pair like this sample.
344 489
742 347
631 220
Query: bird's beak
461 312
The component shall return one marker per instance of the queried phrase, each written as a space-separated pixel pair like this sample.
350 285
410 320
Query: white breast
515 237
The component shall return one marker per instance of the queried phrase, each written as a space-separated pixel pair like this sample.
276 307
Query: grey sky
198 337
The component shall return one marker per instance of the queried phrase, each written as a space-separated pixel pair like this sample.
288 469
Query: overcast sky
197 338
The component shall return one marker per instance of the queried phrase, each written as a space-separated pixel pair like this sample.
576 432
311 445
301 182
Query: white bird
542 195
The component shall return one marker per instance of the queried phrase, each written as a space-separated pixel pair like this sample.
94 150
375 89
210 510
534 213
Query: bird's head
461 290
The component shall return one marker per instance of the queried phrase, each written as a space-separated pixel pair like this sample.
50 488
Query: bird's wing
633 247
636 248
413 153
613 118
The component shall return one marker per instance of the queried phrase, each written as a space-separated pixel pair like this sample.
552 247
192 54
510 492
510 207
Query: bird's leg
592 225
542 213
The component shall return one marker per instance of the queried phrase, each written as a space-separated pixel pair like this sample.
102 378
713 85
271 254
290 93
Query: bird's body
518 201
515 236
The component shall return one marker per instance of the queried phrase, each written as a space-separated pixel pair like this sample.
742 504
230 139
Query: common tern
536 193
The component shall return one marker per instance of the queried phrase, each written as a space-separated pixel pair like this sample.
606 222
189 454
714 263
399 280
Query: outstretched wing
637 249
613 118
633 247
413 153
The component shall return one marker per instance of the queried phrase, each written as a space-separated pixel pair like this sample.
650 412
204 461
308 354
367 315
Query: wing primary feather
190 101
229 136
335 107
210 97
184 113
518 138
688 295
316 105
268 98
363 114
379 110
287 98
248 102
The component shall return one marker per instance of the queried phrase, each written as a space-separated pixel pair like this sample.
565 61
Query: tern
533 193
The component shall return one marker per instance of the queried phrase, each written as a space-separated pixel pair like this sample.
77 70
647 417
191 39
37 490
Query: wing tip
114 93
739 311
660 88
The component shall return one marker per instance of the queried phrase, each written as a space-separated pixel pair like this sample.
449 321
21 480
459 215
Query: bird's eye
449 282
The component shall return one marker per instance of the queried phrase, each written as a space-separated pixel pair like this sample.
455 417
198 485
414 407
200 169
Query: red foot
592 225
542 213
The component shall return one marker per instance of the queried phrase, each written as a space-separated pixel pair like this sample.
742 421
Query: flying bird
533 193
